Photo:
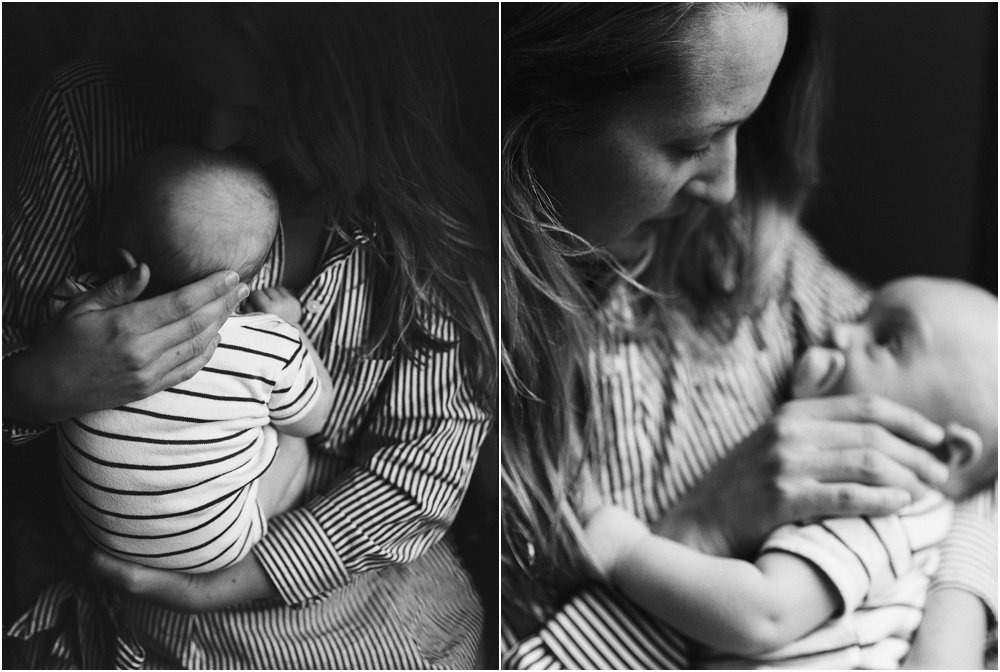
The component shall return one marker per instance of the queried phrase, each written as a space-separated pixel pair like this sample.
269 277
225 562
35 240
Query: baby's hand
277 301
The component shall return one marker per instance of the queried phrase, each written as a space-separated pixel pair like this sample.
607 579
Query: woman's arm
412 468
952 634
961 602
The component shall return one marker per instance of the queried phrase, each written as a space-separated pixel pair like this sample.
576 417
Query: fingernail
903 498
232 277
243 292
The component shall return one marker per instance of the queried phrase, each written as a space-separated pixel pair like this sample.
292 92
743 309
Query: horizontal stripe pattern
671 412
372 581
880 569
191 503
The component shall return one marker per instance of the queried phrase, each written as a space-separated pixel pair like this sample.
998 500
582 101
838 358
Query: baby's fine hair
187 213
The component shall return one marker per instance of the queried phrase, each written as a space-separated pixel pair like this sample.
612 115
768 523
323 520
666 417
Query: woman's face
234 106
654 158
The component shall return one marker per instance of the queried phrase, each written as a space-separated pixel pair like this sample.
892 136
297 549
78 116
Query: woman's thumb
117 291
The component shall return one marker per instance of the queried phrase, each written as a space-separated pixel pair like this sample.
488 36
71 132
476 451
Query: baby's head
930 344
188 213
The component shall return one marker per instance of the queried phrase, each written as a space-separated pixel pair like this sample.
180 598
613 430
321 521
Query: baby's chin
818 372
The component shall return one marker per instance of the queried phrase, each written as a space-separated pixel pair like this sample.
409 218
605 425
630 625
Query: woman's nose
225 125
715 182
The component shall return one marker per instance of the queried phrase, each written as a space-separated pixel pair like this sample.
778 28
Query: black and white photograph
749 336
500 335
249 281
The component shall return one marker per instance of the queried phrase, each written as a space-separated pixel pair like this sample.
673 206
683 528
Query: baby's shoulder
261 331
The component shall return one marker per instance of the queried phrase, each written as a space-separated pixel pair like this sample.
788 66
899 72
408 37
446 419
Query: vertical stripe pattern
671 412
366 576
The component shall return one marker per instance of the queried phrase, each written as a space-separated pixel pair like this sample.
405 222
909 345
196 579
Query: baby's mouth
817 372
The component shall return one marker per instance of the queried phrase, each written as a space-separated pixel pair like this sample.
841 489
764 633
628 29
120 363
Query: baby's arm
281 302
733 605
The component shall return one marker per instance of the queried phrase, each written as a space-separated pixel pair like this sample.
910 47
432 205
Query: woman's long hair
565 68
361 104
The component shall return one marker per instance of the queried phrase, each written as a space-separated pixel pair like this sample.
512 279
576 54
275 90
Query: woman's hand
816 458
103 350
191 593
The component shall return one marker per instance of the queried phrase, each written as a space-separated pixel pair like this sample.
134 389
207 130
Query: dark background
911 145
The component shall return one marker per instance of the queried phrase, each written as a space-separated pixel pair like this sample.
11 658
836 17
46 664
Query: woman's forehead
219 62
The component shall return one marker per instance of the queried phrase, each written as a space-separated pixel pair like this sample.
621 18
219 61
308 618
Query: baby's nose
840 336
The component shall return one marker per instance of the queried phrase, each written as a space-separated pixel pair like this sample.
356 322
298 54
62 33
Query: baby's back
170 481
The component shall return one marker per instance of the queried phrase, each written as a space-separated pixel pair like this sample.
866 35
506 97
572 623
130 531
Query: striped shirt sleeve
969 552
598 629
296 389
412 468
860 554
45 200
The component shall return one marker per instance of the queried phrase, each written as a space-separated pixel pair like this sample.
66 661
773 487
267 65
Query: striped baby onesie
880 568
170 481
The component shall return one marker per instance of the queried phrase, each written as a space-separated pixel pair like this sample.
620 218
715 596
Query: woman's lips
817 372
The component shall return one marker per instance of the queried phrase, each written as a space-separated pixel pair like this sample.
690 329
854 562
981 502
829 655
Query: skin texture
233 119
636 174
814 458
926 342
930 344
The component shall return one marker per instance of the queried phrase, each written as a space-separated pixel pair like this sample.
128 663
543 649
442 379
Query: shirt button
314 306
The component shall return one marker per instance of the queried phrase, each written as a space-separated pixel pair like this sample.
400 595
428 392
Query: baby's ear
963 446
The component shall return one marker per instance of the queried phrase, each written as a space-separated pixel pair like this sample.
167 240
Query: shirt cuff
300 559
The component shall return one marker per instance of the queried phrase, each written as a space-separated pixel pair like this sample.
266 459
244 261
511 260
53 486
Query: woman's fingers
206 319
219 290
852 499
869 453
184 368
896 418
866 467
118 291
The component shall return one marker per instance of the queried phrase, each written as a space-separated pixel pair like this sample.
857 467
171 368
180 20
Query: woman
657 289
347 110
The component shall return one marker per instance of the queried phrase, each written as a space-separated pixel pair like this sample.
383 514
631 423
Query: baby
841 593
181 480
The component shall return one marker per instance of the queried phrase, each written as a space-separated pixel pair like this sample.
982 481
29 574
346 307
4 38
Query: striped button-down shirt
365 574
673 411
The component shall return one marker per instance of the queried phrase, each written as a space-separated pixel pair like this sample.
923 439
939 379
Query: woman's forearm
952 635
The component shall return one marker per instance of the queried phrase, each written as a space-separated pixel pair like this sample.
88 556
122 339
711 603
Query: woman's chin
634 247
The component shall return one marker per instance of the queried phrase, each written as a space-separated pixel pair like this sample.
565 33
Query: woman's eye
689 153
